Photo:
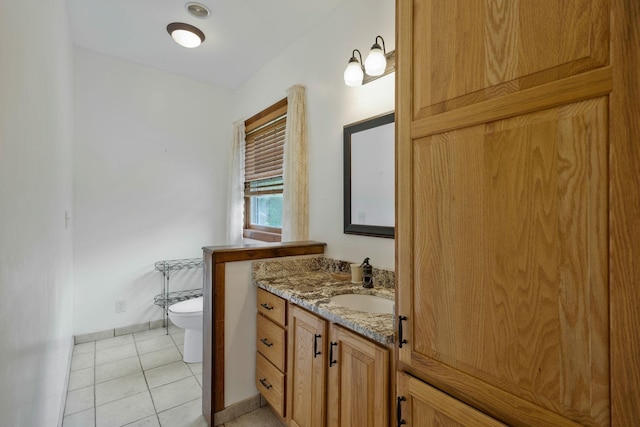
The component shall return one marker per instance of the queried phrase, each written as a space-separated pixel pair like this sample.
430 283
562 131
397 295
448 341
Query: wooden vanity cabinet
517 210
307 369
316 373
271 345
358 388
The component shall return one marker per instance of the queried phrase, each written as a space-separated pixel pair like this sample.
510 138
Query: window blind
264 151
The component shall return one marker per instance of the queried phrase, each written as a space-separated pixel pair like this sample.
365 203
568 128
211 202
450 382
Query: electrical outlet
121 306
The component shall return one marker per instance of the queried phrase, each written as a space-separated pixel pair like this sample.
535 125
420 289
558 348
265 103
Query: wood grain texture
272 307
270 383
217 362
306 373
358 382
517 130
252 252
207 342
583 86
271 341
489 399
470 51
404 171
426 406
524 307
624 214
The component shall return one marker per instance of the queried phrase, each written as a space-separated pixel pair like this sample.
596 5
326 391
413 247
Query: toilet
188 316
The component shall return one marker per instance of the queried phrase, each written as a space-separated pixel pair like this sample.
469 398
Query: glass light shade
376 63
185 35
186 38
353 74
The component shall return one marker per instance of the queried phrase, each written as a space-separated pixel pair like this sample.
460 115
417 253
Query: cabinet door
307 369
358 390
422 405
502 232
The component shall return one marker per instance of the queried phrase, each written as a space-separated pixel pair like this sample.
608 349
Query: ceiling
241 35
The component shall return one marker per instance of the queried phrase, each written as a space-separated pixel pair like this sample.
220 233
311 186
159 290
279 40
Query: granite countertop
312 290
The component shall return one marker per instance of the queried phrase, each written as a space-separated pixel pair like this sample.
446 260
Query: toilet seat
190 307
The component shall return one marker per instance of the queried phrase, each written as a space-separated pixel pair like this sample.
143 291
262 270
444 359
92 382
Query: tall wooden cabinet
518 218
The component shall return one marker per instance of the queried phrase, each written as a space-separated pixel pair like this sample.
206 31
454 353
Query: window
263 184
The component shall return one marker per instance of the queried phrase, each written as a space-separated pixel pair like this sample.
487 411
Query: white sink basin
368 303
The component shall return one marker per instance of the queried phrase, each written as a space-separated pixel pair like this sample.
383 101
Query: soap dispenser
367 274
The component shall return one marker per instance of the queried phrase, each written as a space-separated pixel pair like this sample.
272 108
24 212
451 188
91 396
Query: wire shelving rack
165 299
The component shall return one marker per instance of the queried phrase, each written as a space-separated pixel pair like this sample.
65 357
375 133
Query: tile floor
140 380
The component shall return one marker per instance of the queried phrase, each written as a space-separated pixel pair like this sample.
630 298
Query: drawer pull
266 342
266 306
331 361
316 353
265 384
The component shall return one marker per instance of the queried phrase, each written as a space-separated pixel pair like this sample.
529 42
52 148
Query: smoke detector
198 10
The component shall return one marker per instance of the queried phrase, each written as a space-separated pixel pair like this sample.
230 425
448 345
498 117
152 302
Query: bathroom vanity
319 361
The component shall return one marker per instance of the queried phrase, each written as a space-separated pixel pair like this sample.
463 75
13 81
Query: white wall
150 170
239 333
36 287
317 61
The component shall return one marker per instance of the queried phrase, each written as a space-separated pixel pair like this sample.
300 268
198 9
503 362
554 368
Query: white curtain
235 195
295 196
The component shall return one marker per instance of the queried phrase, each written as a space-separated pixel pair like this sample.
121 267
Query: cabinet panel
272 306
523 239
510 271
307 369
270 341
424 406
466 51
270 382
358 389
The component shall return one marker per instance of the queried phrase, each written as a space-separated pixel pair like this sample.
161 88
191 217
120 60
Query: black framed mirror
369 177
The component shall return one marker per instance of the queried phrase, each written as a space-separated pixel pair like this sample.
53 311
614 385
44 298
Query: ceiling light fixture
185 35
378 63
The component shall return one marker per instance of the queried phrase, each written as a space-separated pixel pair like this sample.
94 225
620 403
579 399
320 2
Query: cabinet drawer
270 341
423 405
270 383
272 306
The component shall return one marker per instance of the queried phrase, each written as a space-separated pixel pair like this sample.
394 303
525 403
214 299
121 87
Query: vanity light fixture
354 73
378 63
185 35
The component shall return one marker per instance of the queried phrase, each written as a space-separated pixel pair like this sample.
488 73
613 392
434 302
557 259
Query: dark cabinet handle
399 419
331 361
316 353
400 334
266 342
266 306
264 382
